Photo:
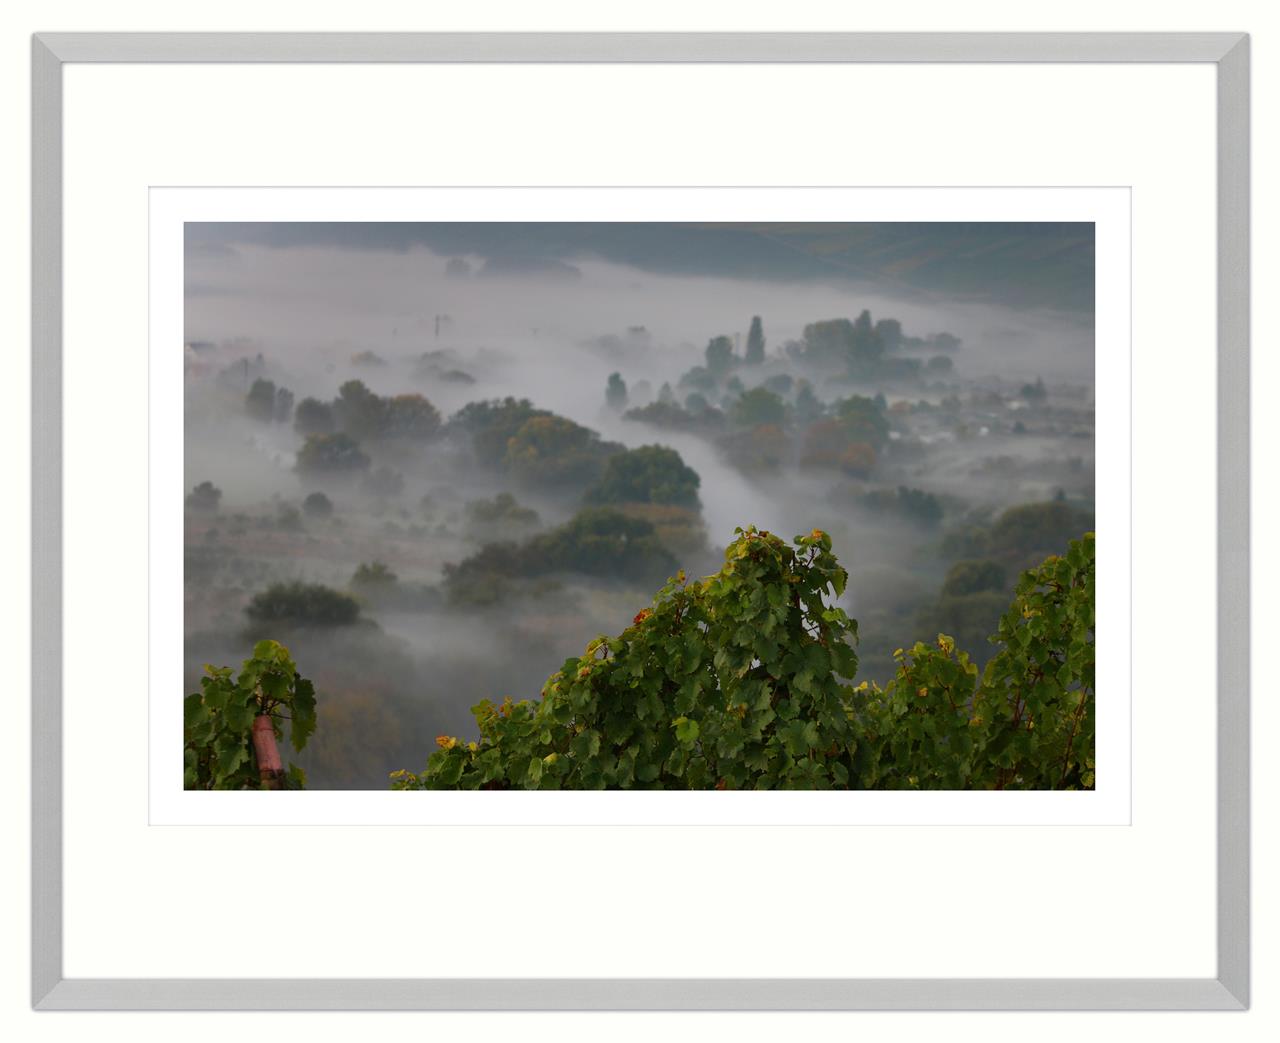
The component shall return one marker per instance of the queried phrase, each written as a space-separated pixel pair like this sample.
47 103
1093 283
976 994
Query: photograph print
639 506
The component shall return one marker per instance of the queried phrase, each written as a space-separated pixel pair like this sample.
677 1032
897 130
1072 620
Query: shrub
595 542
317 505
204 497
375 573
306 603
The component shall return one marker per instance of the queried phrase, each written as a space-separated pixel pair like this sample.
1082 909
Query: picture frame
1228 989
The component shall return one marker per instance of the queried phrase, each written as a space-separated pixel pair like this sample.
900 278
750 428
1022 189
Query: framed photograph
672 469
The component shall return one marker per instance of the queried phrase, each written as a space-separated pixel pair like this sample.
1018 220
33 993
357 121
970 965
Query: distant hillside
1045 265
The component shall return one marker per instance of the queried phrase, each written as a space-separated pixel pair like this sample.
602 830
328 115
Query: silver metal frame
1228 990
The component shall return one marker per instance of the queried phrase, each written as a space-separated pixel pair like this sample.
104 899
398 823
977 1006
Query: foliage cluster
743 681
218 720
598 541
648 474
303 603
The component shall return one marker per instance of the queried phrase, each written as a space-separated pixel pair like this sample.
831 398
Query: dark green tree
755 342
260 402
313 417
758 406
719 356
649 474
615 392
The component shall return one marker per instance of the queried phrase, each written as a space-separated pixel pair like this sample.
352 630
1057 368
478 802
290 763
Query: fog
1004 419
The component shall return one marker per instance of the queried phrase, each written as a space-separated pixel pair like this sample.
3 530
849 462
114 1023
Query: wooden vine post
267 754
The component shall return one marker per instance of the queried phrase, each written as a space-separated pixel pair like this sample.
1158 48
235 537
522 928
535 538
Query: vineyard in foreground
741 680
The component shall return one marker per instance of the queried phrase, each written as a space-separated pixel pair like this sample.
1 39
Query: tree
743 680
204 497
719 356
699 378
260 402
866 347
807 407
827 342
863 420
914 504
313 417
889 332
410 417
553 449
331 454
650 474
359 412
1035 392
755 342
615 392
283 407
972 576
758 406
491 425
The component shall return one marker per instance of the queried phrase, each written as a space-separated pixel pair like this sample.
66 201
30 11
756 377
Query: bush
376 573
501 514
204 497
317 505
595 542
305 603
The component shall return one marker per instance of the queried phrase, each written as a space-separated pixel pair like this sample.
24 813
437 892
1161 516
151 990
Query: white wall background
22 18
